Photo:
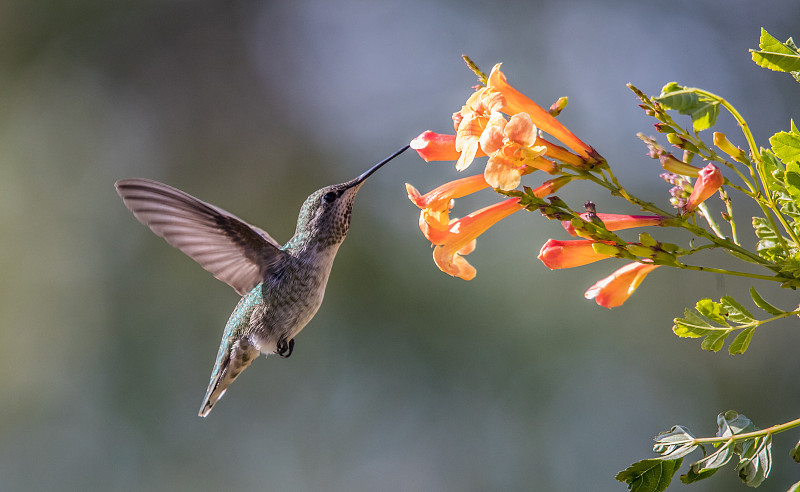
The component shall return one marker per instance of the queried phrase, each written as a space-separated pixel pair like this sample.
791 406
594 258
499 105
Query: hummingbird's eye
329 196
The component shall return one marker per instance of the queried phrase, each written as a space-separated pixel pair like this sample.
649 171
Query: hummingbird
281 286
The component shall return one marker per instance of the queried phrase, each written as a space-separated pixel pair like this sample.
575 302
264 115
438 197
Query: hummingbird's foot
285 348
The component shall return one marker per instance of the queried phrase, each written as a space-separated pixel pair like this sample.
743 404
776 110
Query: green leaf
712 310
756 463
786 146
702 109
760 302
768 246
795 452
736 312
674 444
692 476
733 422
775 55
791 180
714 341
652 475
794 488
692 325
742 341
717 459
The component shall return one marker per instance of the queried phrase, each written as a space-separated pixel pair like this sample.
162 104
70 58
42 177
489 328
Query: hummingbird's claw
285 348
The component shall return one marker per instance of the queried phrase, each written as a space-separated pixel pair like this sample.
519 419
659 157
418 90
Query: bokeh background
407 379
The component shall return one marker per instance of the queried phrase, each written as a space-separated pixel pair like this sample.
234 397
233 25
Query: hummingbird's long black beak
377 166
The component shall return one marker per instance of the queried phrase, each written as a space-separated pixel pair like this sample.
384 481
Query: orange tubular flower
615 289
708 181
434 219
617 222
517 102
435 146
567 254
460 237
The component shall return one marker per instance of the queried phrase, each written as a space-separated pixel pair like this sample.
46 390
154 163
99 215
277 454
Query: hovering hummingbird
281 286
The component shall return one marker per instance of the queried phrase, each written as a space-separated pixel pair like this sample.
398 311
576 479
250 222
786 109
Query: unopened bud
558 106
664 128
647 240
725 145
673 165
605 249
639 250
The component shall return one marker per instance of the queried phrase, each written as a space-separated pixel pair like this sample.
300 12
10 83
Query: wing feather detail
239 254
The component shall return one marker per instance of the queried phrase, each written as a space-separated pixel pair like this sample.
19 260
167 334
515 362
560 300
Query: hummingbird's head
325 216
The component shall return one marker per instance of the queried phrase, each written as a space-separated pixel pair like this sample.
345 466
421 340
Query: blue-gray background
407 379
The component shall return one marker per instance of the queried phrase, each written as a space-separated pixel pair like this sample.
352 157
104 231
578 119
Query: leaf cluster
736 435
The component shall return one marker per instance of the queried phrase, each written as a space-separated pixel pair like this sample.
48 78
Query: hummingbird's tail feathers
230 363
239 254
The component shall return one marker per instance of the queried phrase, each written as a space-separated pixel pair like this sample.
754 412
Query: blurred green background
407 379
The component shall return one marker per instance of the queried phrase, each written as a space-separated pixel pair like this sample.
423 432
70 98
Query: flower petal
708 181
615 289
618 222
557 254
521 130
517 102
501 172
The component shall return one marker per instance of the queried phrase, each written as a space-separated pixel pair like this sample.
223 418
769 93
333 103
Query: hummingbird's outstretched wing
239 254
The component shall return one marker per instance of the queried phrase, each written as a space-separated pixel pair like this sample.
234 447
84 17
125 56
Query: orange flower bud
615 289
618 222
673 165
725 145
708 181
567 254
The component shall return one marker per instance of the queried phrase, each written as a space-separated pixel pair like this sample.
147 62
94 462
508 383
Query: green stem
711 222
775 429
759 167
729 272
672 220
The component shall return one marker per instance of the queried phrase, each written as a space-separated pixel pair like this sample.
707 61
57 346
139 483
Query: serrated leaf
768 42
786 146
791 180
742 341
651 475
702 109
756 463
714 341
712 310
775 55
779 62
692 325
762 228
736 312
760 302
674 444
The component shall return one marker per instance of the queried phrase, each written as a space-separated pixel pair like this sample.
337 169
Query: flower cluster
501 123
